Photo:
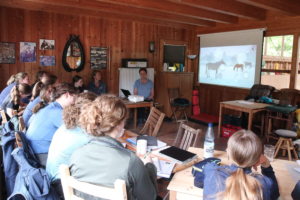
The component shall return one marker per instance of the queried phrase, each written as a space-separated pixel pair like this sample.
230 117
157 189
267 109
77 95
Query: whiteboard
128 76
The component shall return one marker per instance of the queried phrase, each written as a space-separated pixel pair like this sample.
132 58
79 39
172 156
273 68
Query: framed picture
75 49
98 58
27 52
47 60
47 44
7 53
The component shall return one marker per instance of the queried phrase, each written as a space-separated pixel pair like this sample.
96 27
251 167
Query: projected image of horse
237 66
248 64
213 66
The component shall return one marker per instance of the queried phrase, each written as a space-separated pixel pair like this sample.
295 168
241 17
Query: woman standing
97 86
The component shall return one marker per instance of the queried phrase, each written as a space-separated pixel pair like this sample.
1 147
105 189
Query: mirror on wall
73 55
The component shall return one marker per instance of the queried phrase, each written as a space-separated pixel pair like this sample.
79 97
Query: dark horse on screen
213 66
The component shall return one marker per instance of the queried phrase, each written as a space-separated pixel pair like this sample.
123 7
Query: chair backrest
3 115
69 183
173 93
154 122
288 96
188 136
22 126
18 139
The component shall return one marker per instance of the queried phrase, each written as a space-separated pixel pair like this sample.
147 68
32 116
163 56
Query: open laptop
126 92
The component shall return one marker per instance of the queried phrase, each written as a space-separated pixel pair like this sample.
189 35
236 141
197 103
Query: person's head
143 73
40 75
106 115
64 93
71 113
77 81
48 81
21 77
45 99
19 92
244 148
96 75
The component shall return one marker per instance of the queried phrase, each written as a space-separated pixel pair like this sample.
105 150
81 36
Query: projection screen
231 58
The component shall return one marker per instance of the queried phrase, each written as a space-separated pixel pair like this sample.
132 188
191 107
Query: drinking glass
269 151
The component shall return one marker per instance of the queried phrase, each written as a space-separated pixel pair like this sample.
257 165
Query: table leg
172 195
220 120
135 116
250 120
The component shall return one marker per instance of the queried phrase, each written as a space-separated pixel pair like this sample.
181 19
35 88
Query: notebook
164 168
160 144
151 140
177 155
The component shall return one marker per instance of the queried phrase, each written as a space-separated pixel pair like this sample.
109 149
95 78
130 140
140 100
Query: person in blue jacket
237 181
97 86
49 119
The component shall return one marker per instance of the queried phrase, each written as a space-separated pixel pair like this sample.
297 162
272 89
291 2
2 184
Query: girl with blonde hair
238 182
104 159
21 77
12 100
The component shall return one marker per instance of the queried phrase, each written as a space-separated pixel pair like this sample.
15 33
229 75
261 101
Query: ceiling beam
230 7
86 12
174 8
129 10
287 7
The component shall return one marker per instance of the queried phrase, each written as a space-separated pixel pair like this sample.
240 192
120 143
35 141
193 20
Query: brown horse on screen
213 66
237 66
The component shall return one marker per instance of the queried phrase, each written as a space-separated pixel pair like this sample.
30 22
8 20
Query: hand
148 159
263 161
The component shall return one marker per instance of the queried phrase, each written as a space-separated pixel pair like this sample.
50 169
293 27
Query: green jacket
102 163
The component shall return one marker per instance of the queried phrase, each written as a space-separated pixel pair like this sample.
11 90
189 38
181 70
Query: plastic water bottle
209 144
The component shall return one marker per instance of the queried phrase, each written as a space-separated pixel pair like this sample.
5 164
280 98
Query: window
276 62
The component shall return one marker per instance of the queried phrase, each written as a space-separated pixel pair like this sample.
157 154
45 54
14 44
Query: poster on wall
27 52
98 58
47 60
7 53
47 44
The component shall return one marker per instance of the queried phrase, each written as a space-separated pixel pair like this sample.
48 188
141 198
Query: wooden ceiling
187 14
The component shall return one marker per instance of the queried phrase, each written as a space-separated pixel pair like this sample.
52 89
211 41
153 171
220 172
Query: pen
147 153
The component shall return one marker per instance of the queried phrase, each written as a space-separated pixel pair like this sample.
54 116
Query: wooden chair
69 183
3 115
18 139
187 138
22 126
287 97
288 146
154 122
174 93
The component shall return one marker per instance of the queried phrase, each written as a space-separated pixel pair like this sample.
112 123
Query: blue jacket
101 89
215 177
32 182
27 113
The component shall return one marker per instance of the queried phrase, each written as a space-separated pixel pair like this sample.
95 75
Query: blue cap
210 125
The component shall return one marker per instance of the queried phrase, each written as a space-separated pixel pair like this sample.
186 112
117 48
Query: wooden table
182 185
242 107
130 104
177 168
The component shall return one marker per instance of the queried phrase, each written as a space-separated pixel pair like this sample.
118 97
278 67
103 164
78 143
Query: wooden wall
127 40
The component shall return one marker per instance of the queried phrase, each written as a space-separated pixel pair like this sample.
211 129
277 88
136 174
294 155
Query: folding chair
22 126
154 122
174 93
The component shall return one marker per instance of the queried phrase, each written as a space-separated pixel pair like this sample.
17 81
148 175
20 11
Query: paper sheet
294 174
298 161
244 102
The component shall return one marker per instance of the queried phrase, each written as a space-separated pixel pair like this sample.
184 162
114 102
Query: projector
135 98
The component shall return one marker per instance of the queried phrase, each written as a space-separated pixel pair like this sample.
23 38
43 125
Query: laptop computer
126 92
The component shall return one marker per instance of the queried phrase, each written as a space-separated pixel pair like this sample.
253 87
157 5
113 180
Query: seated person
38 78
48 81
143 87
296 191
238 181
48 120
78 83
66 139
12 100
97 86
104 160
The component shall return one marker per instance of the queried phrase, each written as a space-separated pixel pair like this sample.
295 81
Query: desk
130 104
182 185
177 168
242 107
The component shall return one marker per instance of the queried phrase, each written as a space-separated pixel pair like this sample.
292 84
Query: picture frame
47 60
27 52
47 44
98 57
7 53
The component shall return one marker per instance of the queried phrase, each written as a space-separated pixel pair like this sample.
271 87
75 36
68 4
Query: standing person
97 86
78 83
145 88
38 78
237 181
21 77
12 100
48 120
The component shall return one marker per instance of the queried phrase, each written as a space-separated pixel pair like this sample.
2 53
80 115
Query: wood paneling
126 40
